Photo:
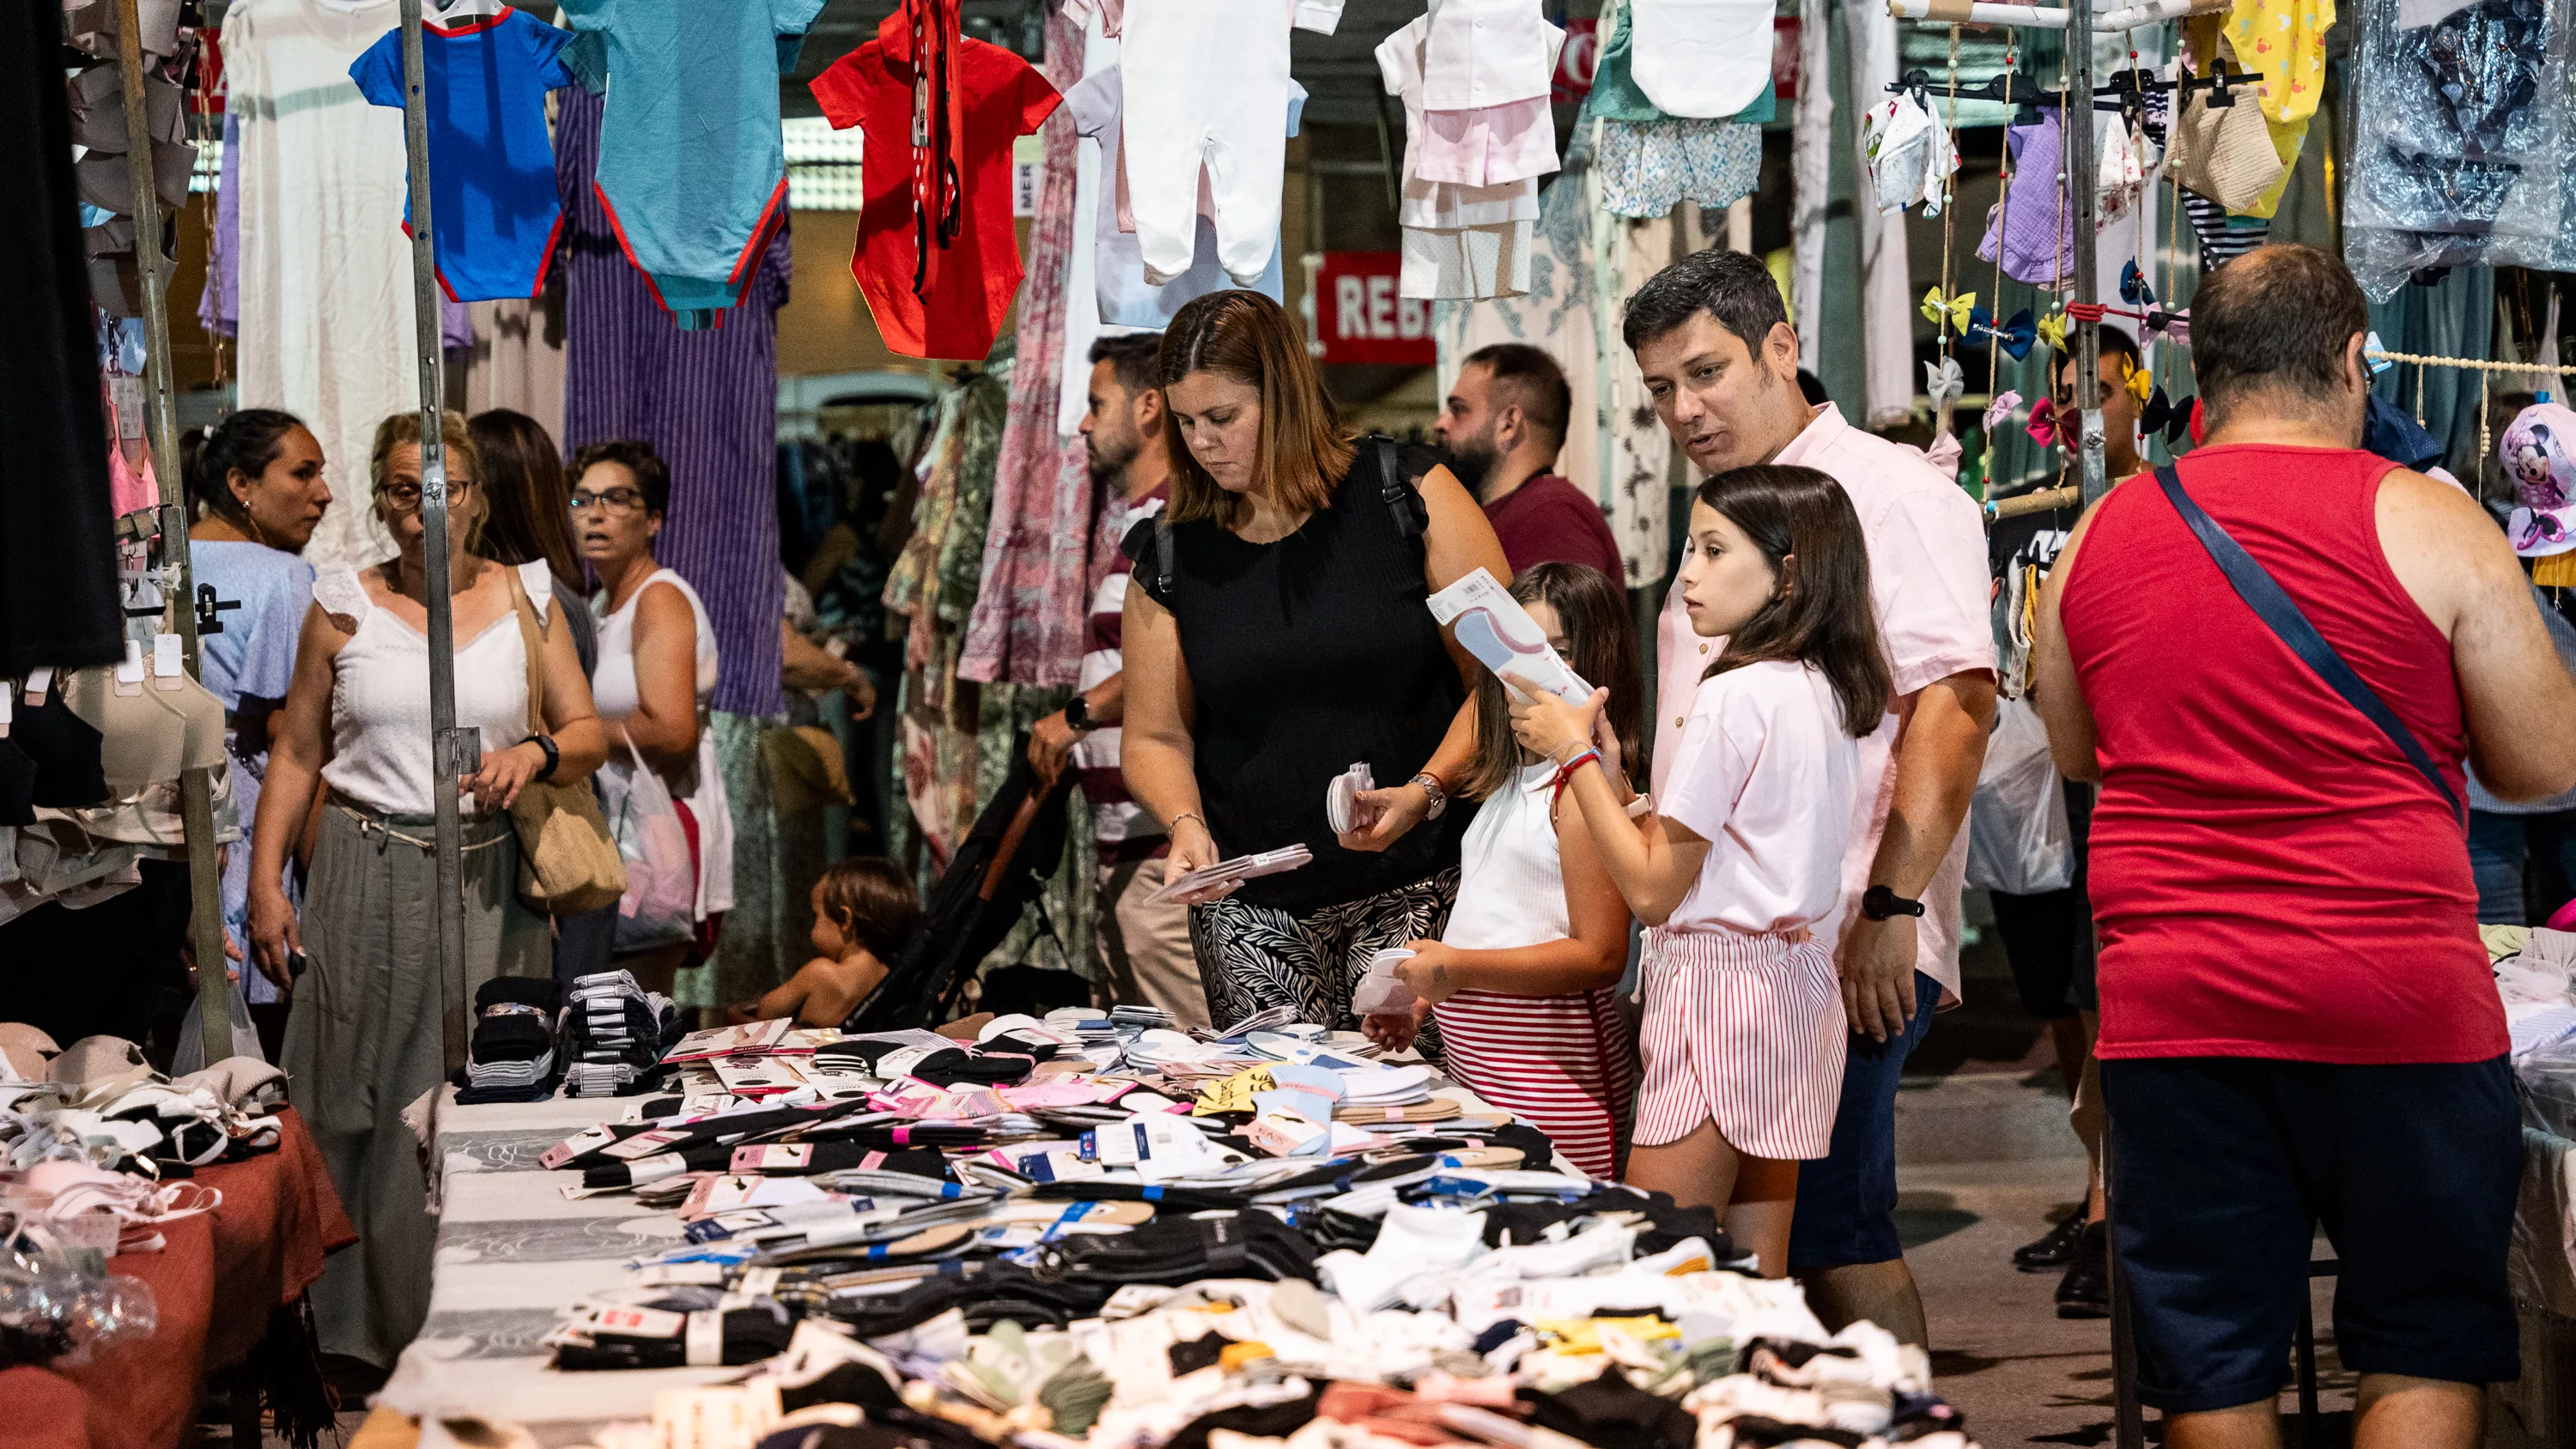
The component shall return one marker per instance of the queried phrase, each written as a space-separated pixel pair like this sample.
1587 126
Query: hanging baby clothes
1614 449
1210 89
692 170
326 294
2459 157
1649 162
1910 154
971 286
2033 226
1027 623
2283 42
1487 67
491 167
1459 240
706 400
1702 58
1127 298
58 588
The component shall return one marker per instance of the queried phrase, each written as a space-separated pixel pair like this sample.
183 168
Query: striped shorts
1746 1031
1560 1062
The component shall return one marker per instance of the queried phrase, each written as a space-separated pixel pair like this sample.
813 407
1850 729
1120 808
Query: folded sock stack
511 1057
616 1032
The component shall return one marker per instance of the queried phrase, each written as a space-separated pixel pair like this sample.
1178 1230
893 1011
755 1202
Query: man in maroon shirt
1503 425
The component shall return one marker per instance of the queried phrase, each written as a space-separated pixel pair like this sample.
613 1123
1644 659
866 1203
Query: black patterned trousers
1254 957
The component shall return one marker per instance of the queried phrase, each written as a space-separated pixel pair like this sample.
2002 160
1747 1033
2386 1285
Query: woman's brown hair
1247 338
523 480
1804 524
872 903
1602 645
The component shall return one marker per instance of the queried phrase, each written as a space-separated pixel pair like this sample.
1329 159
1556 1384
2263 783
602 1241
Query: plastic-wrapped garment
2459 159
1910 154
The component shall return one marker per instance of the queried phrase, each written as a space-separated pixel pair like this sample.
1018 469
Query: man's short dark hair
1532 382
1130 357
652 475
2115 342
1733 287
2277 317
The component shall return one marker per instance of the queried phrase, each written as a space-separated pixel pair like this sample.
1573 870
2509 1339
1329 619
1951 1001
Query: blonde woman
371 1015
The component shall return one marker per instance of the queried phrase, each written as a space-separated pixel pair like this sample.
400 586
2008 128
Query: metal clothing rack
161 427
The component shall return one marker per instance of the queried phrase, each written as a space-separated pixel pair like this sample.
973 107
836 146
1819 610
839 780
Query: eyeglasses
405 497
619 501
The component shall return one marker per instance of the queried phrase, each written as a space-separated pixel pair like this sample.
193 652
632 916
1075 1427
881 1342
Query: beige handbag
568 861
2225 152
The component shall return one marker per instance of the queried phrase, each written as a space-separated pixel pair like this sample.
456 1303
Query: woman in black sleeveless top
1276 635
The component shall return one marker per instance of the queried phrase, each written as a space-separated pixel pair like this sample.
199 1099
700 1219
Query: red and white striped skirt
1746 1031
1560 1062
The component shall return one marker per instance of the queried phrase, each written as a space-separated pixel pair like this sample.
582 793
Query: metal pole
454 753
161 428
2081 166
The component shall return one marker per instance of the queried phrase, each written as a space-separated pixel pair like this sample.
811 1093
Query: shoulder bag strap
1401 498
2279 613
532 643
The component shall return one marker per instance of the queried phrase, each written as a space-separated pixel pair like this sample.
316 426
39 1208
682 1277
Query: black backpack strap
1163 555
1402 498
2279 613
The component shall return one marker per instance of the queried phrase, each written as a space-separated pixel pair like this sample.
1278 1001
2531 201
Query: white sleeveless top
701 785
1511 879
380 693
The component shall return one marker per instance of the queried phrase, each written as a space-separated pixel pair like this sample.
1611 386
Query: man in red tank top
2298 1023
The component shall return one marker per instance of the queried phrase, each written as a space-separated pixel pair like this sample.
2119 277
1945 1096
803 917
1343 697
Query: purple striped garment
1027 627
707 401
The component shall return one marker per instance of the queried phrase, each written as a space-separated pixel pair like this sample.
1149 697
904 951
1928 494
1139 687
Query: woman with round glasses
657 672
373 1011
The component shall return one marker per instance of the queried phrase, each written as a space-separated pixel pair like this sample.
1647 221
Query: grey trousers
367 1036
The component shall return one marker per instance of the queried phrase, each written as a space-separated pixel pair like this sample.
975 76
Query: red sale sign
1359 318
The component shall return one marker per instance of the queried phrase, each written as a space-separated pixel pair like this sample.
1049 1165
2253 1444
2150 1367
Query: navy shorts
2223 1167
1846 1210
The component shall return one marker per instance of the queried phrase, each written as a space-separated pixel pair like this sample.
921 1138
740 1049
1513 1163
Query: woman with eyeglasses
657 672
373 1013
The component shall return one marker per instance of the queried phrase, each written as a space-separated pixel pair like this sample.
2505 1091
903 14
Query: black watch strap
554 755
1879 903
1077 714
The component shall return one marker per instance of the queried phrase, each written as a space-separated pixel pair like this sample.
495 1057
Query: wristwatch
554 756
1077 715
1430 784
1879 903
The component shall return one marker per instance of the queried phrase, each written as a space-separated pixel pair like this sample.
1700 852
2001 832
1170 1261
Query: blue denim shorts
1847 1200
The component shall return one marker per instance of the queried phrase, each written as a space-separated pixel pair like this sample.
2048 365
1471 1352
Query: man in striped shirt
1144 948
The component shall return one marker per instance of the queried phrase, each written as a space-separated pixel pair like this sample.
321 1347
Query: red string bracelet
1565 773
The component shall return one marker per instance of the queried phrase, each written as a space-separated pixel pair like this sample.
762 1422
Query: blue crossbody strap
2271 604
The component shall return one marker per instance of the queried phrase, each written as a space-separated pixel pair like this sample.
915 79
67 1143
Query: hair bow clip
2136 379
2133 286
2014 337
1958 309
2052 330
2163 415
2043 426
2001 408
1944 382
2173 327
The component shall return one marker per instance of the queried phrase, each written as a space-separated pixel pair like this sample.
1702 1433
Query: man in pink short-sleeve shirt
1720 360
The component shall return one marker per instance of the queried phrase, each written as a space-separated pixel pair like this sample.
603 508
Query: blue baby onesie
491 168
692 173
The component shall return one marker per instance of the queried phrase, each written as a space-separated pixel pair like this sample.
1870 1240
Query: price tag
764 1156
166 670
129 671
38 682
643 1144
637 1322
1028 174
574 1146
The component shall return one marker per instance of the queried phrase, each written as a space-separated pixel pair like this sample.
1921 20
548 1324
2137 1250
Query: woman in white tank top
657 672
375 1021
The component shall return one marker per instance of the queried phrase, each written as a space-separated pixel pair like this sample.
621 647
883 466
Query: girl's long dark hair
1804 524
1603 644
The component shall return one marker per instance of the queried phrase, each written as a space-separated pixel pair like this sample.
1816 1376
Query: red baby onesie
972 285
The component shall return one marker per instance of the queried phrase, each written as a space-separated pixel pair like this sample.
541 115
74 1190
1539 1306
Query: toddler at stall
1522 981
1744 1029
864 912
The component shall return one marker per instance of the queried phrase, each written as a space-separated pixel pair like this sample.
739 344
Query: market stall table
216 1284
514 1249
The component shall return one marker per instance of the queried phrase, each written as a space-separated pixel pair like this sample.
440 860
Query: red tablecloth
215 1285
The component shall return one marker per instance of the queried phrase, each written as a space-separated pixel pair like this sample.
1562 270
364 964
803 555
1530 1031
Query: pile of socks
616 1032
511 1057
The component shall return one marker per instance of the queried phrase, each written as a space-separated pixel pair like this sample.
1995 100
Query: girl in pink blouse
1744 1029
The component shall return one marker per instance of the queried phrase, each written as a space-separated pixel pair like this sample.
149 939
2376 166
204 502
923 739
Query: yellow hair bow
2052 330
1956 308
2140 382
